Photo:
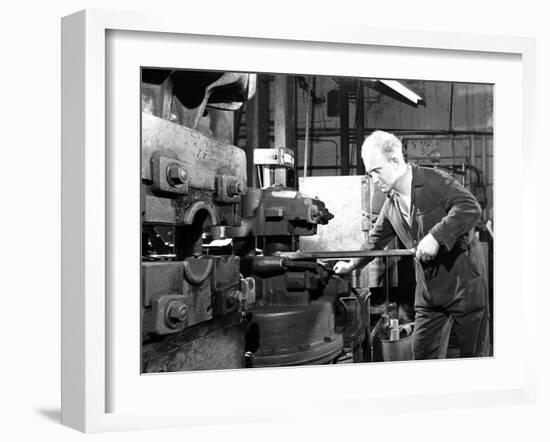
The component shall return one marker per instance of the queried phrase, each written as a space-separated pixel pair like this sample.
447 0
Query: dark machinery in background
216 292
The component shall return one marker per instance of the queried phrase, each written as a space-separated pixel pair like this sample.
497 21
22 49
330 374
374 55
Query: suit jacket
442 207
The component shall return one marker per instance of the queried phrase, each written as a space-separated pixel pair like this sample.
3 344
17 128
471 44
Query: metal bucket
398 350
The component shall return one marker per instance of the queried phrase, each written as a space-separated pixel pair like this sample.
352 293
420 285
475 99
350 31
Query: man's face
384 172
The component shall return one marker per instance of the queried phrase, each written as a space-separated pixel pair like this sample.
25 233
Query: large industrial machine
220 288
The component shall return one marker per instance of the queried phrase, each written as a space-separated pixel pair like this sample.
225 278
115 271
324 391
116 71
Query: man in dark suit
428 208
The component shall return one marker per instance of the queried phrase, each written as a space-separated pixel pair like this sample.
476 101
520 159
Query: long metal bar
348 254
306 140
344 129
291 132
387 286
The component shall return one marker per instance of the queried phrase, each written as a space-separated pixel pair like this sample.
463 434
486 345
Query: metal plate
347 198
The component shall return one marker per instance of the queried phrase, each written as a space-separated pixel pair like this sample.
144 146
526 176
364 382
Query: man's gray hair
385 142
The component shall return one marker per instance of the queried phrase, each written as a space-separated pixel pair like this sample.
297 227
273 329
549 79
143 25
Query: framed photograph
213 182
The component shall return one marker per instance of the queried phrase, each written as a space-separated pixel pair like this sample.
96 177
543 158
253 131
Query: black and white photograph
241 220
295 219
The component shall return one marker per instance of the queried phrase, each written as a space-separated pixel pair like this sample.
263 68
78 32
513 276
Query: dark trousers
453 290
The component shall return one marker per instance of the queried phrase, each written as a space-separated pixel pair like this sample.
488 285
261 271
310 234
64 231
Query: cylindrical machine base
293 335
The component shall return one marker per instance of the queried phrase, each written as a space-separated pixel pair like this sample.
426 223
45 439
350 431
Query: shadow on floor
52 414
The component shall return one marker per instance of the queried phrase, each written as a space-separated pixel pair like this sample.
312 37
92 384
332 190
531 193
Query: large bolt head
176 174
235 187
176 313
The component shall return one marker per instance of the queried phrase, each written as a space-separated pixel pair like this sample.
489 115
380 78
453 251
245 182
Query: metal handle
348 254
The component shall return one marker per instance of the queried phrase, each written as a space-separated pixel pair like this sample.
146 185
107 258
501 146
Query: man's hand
427 248
343 267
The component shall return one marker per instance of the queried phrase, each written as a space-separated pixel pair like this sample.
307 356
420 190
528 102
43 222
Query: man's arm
463 210
380 235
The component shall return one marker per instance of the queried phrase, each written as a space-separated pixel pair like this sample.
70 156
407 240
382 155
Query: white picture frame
90 171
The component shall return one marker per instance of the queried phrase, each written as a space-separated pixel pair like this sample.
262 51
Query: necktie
402 206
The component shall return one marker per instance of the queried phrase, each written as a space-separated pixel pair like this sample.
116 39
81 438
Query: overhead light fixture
396 90
403 90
